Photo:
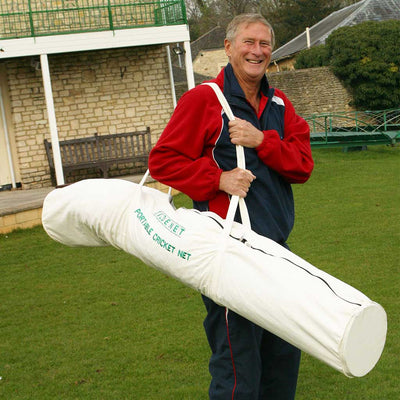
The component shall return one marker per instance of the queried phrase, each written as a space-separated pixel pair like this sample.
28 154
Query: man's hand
236 182
243 133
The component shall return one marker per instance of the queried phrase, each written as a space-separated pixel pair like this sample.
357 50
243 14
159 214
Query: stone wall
102 92
210 62
313 90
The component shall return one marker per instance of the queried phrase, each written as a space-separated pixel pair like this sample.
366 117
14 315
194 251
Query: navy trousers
248 362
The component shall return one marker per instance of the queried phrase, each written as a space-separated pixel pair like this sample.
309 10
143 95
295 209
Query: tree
366 58
203 15
291 17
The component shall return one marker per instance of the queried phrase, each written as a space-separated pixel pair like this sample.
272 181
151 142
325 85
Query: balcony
35 27
34 18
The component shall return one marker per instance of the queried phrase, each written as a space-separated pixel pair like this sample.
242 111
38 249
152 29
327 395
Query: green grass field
95 323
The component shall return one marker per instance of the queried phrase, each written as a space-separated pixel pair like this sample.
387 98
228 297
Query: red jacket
194 149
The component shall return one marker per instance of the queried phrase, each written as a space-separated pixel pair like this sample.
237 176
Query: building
70 69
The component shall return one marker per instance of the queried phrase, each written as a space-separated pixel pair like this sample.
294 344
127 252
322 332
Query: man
196 155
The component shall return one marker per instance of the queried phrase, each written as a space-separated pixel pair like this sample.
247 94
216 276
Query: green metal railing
31 18
354 128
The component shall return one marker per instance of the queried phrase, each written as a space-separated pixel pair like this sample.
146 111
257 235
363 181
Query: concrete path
15 201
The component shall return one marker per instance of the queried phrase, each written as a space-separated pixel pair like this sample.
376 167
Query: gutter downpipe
9 153
44 62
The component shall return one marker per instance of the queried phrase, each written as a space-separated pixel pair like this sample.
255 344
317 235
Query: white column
52 118
189 65
171 75
7 139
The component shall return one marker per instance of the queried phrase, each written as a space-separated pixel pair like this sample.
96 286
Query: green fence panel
30 18
354 128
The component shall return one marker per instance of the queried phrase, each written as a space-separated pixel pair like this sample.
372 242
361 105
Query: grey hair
232 29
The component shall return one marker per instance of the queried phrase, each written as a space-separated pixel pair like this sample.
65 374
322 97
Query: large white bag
227 262
248 273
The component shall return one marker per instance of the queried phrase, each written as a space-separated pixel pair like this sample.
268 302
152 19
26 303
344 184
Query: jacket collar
231 88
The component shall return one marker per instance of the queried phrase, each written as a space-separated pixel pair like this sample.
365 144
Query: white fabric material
248 273
241 163
278 100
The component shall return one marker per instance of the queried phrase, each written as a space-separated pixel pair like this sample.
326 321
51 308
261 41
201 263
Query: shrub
366 58
315 57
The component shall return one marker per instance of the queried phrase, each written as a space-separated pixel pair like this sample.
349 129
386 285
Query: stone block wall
313 90
210 62
111 91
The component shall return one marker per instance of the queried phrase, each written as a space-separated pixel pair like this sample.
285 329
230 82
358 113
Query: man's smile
254 61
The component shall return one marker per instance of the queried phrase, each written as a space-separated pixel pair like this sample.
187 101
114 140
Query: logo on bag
169 224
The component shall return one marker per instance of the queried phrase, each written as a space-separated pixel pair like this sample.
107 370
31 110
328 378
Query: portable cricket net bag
229 263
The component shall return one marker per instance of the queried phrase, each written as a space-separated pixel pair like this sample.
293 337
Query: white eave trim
10 48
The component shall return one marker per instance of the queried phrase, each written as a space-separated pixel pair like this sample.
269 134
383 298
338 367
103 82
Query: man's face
250 52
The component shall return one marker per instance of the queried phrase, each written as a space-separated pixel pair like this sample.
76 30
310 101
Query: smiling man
196 154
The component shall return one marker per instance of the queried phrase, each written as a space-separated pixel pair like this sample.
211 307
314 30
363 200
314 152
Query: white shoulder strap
241 162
